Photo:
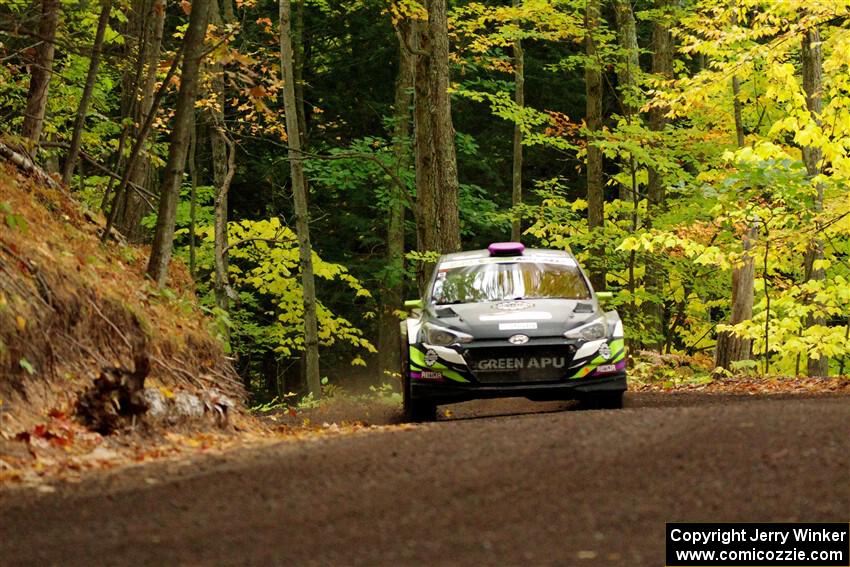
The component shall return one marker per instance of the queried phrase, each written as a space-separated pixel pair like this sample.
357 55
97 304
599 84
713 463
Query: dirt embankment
87 343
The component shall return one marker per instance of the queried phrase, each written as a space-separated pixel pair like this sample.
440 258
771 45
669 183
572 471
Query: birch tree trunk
41 71
193 45
813 157
389 337
593 120
91 79
299 193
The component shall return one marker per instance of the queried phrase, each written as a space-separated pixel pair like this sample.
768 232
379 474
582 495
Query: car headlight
596 329
441 336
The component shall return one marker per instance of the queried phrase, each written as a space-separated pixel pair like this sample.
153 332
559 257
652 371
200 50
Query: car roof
532 252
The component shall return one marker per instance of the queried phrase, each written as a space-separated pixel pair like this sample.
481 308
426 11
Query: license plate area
519 364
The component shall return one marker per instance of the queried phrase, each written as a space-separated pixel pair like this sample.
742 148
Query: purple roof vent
506 249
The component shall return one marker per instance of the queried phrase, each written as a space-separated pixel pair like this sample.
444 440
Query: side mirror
413 303
604 295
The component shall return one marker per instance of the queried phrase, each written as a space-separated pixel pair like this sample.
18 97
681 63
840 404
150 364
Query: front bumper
545 367
451 392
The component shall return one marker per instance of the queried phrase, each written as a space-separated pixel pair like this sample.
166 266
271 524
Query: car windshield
508 280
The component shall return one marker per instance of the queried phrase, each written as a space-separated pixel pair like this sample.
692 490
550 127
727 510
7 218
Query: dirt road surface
504 482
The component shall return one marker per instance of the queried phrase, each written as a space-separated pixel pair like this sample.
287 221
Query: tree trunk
91 79
662 66
593 120
730 347
41 71
227 11
223 291
223 168
812 82
627 69
136 151
193 194
132 207
389 337
193 45
737 107
298 69
134 39
436 164
299 193
519 98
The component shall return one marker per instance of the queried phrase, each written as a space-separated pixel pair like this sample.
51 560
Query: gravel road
503 482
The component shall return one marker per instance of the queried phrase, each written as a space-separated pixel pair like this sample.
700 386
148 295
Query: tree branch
27 165
405 44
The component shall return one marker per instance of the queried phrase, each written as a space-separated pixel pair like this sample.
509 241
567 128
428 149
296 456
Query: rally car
509 321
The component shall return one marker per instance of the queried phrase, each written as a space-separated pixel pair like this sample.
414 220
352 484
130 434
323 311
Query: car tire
602 400
421 411
414 410
404 353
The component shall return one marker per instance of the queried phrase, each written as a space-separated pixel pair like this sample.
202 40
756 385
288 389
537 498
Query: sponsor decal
431 357
517 315
496 364
605 351
513 305
430 375
518 339
517 326
602 369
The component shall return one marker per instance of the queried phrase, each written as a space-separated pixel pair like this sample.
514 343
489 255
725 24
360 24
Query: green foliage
669 264
264 272
13 221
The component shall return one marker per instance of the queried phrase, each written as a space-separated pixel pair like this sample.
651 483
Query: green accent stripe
593 364
417 360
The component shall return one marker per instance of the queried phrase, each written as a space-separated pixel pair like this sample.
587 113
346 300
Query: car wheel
419 411
403 352
603 400
416 410
404 356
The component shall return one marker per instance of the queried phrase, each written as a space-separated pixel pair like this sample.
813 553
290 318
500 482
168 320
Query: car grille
517 364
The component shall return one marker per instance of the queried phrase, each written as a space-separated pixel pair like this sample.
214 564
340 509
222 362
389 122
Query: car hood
502 319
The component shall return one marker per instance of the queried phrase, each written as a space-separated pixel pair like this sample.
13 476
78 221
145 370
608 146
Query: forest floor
496 482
